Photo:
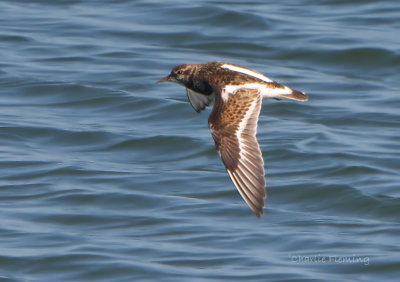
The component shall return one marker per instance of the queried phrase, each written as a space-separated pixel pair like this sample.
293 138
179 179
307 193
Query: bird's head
180 74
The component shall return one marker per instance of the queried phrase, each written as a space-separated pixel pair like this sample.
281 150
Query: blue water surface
106 175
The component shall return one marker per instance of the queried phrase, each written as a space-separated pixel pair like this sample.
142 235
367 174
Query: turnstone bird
238 93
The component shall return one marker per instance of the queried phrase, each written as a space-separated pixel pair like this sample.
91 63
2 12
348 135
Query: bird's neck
199 82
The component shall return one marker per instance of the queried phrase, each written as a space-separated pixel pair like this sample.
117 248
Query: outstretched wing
234 127
198 101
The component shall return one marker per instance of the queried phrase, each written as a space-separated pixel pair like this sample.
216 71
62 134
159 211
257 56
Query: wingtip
259 212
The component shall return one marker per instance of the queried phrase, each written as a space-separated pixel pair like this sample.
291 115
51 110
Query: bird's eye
179 72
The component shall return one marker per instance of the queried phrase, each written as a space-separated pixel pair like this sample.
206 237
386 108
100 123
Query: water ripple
106 175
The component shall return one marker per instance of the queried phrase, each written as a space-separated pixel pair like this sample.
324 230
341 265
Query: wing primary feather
234 124
247 196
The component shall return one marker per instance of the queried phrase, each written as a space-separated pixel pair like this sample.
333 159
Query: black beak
167 79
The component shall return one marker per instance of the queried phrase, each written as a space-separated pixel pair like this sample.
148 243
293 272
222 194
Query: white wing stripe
265 90
243 124
247 71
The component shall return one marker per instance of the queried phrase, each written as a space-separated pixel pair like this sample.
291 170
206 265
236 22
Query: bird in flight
238 93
